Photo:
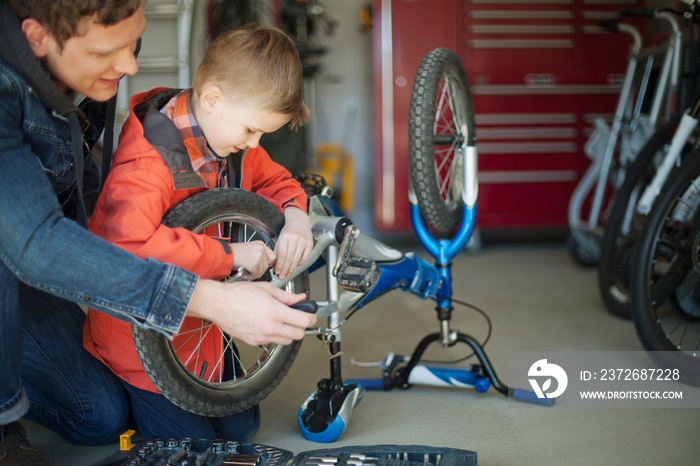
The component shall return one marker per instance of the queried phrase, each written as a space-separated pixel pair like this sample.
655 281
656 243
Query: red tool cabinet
540 71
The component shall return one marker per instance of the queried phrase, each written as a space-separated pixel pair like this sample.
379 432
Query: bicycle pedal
358 274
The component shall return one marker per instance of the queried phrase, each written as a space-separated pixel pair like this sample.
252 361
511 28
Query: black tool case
204 452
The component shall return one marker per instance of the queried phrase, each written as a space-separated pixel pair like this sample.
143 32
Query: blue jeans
62 386
157 417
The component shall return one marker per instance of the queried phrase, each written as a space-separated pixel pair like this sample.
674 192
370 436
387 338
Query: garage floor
537 299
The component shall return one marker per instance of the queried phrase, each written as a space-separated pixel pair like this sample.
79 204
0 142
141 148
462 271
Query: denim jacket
46 250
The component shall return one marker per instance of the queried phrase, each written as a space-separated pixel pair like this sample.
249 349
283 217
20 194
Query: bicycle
643 182
358 269
645 99
665 282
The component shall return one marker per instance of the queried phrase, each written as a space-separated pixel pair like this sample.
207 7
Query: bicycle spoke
441 101
235 358
444 163
444 124
192 333
196 349
444 114
673 330
237 363
456 108
195 330
218 367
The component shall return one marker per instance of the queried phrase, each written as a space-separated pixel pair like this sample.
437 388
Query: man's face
93 62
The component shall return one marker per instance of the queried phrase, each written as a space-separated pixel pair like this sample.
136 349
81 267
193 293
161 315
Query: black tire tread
421 116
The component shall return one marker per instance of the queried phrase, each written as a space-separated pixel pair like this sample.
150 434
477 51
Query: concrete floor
537 299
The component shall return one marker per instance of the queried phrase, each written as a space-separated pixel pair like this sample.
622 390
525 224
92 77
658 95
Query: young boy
176 144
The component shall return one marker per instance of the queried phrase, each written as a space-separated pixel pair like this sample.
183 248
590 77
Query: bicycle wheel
622 228
441 124
243 375
665 283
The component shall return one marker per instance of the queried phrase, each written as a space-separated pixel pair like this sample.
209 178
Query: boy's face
232 125
93 62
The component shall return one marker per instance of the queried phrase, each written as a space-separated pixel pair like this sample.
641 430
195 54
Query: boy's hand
295 242
254 256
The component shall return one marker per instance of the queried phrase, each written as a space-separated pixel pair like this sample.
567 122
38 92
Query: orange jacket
150 174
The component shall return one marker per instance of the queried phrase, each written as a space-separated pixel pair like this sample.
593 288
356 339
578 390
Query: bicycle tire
441 121
622 227
666 315
263 367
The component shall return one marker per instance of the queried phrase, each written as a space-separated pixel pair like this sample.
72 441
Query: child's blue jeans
156 417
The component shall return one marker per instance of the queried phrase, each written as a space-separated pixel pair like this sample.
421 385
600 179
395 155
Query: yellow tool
125 440
336 166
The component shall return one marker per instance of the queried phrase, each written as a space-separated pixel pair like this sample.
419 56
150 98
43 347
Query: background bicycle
643 183
648 94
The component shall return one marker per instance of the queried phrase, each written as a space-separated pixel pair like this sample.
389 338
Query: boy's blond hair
257 62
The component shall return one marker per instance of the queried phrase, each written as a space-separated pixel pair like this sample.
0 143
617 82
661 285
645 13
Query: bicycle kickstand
326 413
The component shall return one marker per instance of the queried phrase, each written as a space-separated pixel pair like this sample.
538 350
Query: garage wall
339 96
343 110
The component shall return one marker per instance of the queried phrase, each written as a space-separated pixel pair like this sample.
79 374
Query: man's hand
256 312
295 242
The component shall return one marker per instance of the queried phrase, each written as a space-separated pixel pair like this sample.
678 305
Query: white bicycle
648 90
644 182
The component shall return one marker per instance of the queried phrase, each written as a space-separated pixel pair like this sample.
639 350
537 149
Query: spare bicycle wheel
665 284
242 375
441 125
621 232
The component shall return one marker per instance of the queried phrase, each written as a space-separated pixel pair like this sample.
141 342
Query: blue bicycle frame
342 241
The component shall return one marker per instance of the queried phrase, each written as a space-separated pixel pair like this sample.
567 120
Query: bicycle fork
444 251
672 159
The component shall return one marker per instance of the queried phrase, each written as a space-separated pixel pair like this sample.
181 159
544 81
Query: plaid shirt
203 159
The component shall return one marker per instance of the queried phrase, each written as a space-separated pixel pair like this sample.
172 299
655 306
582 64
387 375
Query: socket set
386 455
203 452
198 452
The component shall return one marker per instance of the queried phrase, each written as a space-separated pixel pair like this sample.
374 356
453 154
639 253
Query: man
59 60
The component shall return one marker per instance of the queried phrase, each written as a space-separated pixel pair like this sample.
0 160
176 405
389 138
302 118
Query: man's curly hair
61 17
